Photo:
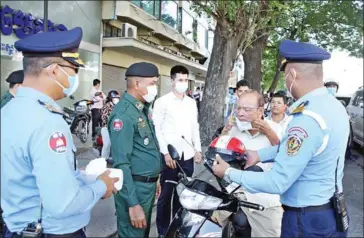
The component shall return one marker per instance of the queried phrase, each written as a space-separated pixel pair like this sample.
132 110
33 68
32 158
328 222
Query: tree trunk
212 106
277 75
253 57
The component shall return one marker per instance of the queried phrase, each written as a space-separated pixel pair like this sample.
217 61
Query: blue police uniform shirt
298 175
37 165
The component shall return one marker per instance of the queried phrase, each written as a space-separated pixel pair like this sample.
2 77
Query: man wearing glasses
41 192
255 133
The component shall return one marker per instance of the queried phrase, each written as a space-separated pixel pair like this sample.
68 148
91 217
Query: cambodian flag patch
57 142
117 124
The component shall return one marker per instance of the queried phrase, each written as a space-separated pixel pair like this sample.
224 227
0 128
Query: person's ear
52 70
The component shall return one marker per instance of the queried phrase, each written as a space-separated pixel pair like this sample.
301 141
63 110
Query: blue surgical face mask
73 82
332 91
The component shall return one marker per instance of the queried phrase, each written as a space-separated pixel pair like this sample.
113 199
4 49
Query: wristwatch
226 174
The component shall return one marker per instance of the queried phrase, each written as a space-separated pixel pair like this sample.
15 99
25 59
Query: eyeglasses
62 65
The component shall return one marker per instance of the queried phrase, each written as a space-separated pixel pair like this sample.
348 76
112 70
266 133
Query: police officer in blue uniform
309 161
42 195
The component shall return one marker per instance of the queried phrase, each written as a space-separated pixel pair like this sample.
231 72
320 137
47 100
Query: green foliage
330 24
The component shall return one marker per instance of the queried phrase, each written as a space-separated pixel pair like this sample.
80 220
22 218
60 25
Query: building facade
165 33
22 18
116 34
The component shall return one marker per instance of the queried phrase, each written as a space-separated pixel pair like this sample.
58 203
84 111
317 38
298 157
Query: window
136 2
111 31
148 6
152 6
201 36
169 13
187 25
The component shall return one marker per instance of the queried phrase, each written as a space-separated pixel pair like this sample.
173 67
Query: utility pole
45 16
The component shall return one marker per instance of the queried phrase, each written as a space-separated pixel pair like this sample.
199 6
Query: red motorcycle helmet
229 148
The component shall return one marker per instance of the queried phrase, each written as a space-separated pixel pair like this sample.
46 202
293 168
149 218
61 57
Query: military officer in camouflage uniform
135 150
15 80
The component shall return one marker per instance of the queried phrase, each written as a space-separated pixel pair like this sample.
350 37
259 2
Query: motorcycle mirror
173 152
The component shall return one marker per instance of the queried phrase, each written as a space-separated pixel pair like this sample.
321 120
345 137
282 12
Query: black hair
11 85
281 94
96 82
242 83
178 69
35 65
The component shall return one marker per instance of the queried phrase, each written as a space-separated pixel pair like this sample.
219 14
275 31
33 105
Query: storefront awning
133 46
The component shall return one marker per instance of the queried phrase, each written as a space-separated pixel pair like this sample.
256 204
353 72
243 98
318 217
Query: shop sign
25 23
8 49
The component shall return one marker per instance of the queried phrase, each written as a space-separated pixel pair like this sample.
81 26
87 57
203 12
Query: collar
176 98
135 102
306 98
9 93
248 133
31 93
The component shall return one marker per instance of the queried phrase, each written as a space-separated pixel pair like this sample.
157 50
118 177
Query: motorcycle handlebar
251 205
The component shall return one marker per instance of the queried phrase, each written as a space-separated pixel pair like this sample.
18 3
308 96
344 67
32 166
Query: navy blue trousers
310 224
164 204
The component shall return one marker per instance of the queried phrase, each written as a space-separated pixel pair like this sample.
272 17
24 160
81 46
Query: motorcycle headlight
193 200
192 219
80 108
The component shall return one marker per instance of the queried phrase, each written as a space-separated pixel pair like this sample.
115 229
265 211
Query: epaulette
50 108
299 109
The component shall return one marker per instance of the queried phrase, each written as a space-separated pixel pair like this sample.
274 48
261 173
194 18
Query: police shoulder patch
296 136
117 124
57 142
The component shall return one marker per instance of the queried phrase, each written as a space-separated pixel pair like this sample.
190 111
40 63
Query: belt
73 234
145 179
318 208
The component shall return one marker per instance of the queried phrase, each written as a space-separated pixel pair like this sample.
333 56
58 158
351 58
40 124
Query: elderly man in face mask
255 133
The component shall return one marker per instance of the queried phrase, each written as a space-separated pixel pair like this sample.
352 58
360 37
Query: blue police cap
142 69
16 77
301 52
62 44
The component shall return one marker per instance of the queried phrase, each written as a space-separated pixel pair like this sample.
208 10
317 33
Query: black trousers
167 190
96 120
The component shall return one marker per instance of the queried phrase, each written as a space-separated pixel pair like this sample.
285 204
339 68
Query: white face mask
289 91
181 87
243 125
115 100
151 94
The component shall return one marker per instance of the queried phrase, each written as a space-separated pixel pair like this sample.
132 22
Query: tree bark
253 57
212 106
277 75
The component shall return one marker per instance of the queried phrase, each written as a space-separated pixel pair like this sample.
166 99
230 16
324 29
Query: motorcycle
98 142
79 118
200 199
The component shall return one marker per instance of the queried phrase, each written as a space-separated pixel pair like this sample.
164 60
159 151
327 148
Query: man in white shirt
175 120
278 107
256 133
98 97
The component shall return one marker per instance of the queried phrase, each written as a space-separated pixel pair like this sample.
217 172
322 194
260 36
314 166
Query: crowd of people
299 154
